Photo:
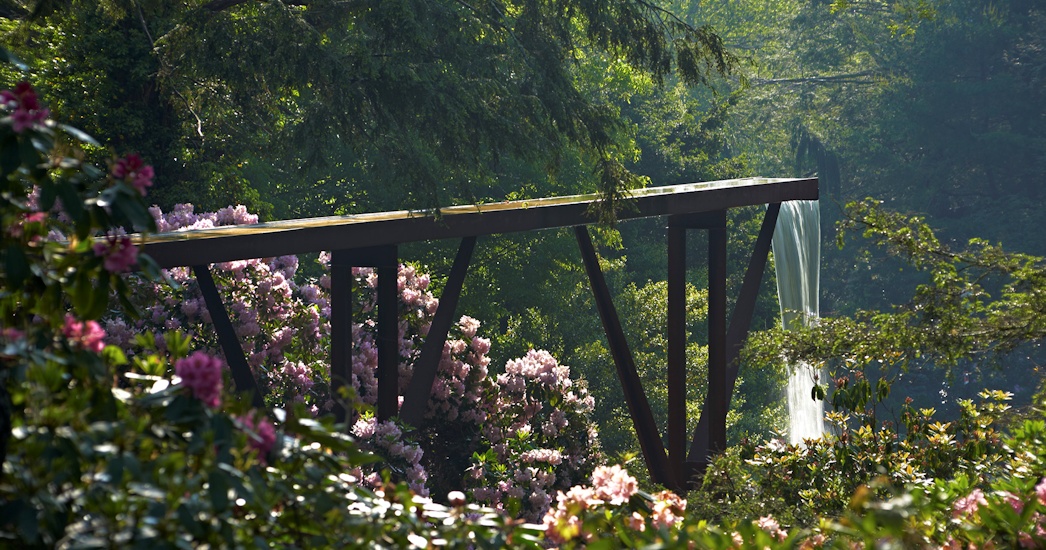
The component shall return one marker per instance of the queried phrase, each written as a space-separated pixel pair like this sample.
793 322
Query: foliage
357 97
104 451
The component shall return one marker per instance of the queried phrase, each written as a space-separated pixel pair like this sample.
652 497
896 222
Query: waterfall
797 257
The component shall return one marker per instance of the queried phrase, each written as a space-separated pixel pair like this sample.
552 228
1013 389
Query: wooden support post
718 394
388 342
385 259
230 344
341 329
740 323
677 331
638 406
416 398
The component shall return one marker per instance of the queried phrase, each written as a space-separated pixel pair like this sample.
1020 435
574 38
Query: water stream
797 256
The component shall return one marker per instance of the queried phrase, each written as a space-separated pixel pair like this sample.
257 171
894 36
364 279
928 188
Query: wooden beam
230 243
342 261
638 406
341 331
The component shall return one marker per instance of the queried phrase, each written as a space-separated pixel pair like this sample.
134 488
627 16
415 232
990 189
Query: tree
401 103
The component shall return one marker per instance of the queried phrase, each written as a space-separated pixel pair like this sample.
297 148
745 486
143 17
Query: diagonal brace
635 397
241 371
416 399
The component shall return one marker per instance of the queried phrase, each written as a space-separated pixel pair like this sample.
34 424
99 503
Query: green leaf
114 356
7 57
79 135
16 265
218 489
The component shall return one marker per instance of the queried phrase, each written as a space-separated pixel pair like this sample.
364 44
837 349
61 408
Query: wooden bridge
371 240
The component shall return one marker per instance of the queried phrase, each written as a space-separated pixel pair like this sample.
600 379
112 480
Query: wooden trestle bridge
371 240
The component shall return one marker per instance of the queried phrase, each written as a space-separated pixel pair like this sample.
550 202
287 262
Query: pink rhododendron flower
968 504
1040 491
119 253
261 434
770 525
25 108
202 374
613 484
87 335
667 510
134 171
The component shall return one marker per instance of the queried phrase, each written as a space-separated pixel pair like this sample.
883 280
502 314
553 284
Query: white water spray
797 257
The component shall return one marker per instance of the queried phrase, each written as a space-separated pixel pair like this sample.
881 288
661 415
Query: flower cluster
386 439
86 335
26 111
279 327
261 434
132 170
541 425
119 253
613 501
202 374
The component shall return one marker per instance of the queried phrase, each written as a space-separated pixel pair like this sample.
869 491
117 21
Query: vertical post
388 342
341 329
677 330
718 393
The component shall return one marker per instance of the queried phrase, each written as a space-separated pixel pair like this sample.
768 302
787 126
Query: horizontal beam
229 243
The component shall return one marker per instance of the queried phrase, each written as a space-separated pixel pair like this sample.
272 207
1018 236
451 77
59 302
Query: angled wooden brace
416 398
638 406
241 371
740 322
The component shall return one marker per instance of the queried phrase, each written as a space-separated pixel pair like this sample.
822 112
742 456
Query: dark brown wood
227 339
677 331
416 398
638 406
718 397
341 329
386 228
342 262
388 342
740 322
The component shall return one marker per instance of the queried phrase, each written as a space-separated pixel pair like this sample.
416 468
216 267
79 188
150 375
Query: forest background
299 109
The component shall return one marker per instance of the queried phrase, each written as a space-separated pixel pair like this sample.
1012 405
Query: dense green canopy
312 105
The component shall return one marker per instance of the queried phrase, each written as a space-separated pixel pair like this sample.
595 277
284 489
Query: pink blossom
133 170
770 525
261 434
968 504
25 107
1013 500
469 326
667 510
87 335
118 251
202 374
1040 491
613 484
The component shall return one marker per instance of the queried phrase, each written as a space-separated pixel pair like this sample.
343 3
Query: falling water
797 255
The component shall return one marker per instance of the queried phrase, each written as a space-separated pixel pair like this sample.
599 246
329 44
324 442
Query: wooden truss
371 240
